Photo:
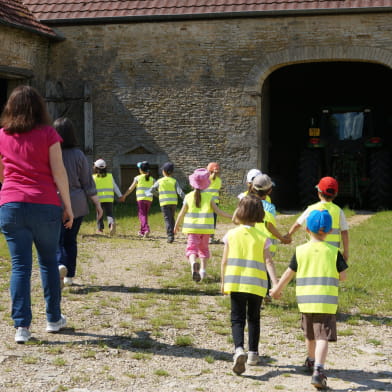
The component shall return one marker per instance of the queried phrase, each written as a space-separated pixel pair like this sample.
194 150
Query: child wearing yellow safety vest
252 173
167 188
197 214
319 266
106 188
142 183
327 189
214 188
245 262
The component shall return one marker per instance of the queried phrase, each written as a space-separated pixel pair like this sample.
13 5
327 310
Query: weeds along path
137 322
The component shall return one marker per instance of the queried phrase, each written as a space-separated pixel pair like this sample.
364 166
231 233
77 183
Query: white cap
100 164
252 174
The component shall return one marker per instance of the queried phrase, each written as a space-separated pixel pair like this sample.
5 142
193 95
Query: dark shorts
319 326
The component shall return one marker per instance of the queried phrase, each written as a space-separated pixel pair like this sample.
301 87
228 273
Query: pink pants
143 206
197 244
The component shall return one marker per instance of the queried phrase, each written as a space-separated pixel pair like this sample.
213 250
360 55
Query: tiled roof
15 13
52 10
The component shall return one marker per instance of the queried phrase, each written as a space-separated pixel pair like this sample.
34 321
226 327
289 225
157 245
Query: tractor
342 144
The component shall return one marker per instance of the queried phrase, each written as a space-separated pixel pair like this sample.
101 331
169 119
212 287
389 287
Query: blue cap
319 220
168 167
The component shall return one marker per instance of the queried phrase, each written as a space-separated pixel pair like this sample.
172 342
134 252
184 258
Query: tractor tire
380 174
309 174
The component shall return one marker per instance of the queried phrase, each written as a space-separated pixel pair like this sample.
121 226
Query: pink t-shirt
27 174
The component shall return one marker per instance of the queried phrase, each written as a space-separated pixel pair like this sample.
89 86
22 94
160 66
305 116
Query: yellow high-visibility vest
245 271
317 278
214 189
334 237
262 226
198 220
142 186
167 191
105 189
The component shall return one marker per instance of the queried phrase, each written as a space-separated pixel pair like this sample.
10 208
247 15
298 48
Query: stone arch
259 73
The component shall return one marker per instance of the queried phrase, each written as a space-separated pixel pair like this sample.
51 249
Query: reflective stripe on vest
198 220
333 237
105 190
142 186
214 188
317 278
167 191
245 270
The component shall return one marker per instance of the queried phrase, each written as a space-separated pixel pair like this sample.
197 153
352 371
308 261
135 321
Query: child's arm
218 211
223 265
294 228
275 232
344 235
179 191
269 263
342 275
153 191
128 192
276 291
116 189
180 218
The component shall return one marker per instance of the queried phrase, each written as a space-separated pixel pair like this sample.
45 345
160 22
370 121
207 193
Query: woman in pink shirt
33 176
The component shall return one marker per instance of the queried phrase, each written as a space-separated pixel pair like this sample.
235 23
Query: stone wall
189 91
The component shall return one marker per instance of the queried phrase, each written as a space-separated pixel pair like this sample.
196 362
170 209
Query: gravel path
111 344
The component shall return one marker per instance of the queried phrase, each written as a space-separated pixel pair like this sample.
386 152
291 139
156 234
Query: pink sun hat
200 179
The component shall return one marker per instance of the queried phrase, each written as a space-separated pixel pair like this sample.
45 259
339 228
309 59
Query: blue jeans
24 224
68 246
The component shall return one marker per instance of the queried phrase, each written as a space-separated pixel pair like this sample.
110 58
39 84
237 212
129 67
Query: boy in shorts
319 266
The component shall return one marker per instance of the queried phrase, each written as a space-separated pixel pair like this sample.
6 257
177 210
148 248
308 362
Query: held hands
122 199
286 239
275 294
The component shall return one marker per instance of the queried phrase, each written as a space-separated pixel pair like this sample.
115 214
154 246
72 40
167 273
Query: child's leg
191 254
253 315
143 208
238 317
168 212
108 209
311 347
321 351
204 253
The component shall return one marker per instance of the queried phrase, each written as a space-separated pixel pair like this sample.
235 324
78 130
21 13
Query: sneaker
55 327
203 274
22 335
63 273
68 281
309 365
253 358
239 359
146 234
170 239
112 229
319 379
100 232
195 272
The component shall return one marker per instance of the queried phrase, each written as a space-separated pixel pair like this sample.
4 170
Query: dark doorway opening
3 93
299 92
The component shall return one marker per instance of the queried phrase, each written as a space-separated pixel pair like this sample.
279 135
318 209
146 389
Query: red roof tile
52 10
15 13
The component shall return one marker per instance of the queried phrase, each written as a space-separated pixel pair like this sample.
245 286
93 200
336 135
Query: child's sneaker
63 273
203 274
22 335
319 379
239 359
68 281
112 228
309 365
55 327
146 234
253 358
195 272
170 239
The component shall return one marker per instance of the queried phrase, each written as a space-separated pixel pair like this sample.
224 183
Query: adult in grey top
81 187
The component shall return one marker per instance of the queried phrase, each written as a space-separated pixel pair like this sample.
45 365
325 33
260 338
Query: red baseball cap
328 186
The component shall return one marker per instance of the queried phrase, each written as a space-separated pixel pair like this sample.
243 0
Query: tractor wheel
309 173
380 170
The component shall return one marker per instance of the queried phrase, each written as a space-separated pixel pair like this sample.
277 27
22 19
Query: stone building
200 81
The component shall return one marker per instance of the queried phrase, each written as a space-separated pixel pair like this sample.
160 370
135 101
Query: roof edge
213 15
57 36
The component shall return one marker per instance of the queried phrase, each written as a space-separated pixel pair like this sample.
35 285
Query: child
252 173
214 188
168 188
197 213
142 183
245 259
319 267
106 187
327 191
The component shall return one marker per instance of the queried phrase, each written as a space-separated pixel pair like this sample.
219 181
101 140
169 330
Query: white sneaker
239 359
63 273
203 274
253 358
112 228
68 281
55 327
22 335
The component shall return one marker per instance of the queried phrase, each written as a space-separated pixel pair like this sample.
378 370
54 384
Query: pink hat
200 179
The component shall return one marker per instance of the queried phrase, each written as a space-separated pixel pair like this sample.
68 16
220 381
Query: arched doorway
297 94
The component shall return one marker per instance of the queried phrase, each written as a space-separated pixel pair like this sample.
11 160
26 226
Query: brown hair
250 210
197 197
100 172
24 111
66 130
260 193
